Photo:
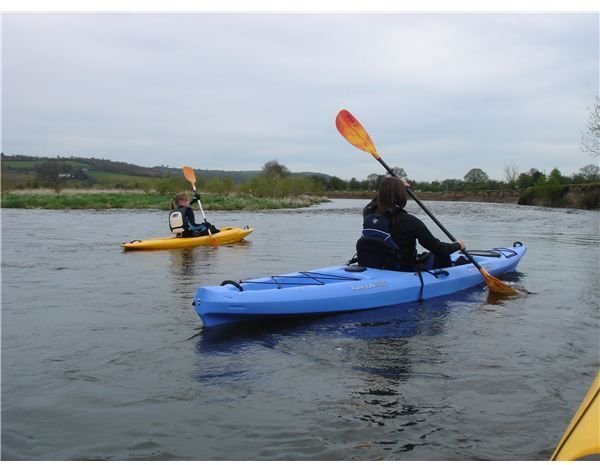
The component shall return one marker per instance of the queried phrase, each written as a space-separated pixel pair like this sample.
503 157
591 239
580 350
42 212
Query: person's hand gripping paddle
190 175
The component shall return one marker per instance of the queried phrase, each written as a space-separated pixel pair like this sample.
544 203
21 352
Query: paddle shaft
199 203
189 174
212 239
431 215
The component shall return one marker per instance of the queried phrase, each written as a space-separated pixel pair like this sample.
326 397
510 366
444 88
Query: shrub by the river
102 201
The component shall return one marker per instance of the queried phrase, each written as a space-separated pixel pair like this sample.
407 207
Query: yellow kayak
227 235
582 437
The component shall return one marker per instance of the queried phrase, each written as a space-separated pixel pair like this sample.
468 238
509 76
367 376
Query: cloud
439 93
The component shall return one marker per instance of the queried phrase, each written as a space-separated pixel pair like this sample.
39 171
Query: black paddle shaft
431 215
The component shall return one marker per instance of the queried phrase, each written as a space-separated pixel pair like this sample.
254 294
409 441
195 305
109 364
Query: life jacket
177 221
376 248
377 226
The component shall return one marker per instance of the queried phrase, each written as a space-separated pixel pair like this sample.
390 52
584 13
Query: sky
439 93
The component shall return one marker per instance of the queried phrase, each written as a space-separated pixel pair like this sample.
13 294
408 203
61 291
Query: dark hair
391 193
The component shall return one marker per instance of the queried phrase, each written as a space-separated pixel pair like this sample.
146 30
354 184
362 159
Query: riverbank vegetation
274 186
136 200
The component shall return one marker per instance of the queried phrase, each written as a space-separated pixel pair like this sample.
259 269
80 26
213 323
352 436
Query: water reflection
183 262
236 337
380 325
515 280
196 266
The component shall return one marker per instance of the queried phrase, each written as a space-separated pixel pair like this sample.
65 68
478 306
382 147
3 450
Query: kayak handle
233 283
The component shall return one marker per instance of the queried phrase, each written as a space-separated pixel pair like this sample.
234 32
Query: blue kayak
343 289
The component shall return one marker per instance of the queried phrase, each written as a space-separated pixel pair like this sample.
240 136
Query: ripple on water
104 358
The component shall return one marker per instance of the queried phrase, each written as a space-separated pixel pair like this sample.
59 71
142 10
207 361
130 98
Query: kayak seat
355 268
461 261
373 252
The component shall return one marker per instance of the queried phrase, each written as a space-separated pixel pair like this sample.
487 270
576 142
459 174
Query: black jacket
406 230
189 217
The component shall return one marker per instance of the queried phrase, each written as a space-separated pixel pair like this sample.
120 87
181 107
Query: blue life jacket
378 226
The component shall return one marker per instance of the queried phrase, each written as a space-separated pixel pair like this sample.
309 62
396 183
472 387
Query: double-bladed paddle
190 175
353 132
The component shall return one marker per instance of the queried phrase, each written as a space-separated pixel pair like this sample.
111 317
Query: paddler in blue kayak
390 234
182 220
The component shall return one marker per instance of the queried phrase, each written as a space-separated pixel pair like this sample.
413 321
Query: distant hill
30 163
22 167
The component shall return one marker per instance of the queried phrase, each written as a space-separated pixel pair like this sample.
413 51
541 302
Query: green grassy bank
107 200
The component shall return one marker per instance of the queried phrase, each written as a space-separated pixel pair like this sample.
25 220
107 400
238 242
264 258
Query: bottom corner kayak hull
227 235
339 289
582 436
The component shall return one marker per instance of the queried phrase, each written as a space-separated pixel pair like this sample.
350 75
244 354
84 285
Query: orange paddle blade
213 240
497 286
353 132
189 174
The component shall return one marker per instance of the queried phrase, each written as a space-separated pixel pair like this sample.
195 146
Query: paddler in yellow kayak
182 220
188 233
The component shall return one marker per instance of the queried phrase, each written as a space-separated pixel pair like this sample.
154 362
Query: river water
103 356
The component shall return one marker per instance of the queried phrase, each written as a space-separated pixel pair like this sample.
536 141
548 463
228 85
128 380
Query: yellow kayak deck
227 235
582 436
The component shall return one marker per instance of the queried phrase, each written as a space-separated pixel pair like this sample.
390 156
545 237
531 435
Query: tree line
474 180
275 180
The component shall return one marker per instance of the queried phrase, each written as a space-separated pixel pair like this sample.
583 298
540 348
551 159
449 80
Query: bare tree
590 138
590 173
511 174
